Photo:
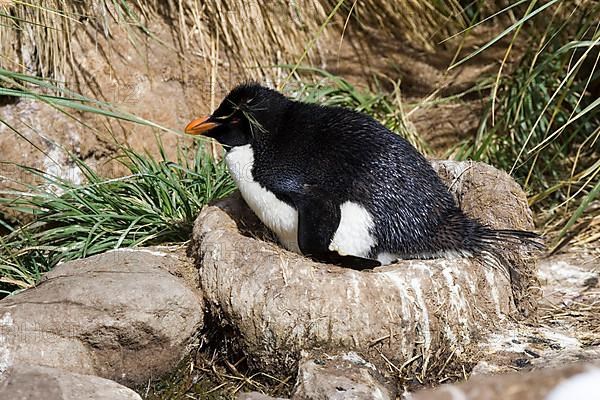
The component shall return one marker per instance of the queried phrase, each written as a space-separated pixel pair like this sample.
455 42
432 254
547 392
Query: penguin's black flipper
318 219
352 262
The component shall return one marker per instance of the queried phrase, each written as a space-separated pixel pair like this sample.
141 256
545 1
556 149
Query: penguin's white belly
353 235
278 216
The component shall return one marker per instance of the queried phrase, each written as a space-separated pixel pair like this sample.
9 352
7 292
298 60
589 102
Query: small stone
340 378
256 396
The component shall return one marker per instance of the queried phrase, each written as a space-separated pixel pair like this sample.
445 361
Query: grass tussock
253 31
542 122
156 202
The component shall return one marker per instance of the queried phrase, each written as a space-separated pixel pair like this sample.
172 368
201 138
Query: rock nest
414 315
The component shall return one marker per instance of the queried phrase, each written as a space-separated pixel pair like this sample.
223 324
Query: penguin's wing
318 219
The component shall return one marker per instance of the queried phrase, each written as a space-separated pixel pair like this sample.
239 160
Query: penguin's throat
277 215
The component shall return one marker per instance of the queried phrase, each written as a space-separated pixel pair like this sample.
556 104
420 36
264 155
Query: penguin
337 186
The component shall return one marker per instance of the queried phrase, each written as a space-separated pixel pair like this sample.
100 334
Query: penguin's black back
355 158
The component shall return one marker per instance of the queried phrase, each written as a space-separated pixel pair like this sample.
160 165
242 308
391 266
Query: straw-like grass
251 34
214 370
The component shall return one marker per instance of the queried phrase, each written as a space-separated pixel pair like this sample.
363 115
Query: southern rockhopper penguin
338 186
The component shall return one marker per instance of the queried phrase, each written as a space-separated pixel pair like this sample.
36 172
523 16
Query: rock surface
345 376
578 381
567 329
120 315
106 70
280 303
32 382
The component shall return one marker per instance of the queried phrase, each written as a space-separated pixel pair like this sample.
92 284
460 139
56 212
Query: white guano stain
507 341
468 279
454 392
353 293
566 342
458 305
138 250
397 280
518 341
490 277
406 303
449 333
355 359
355 288
378 394
561 271
416 286
58 164
6 324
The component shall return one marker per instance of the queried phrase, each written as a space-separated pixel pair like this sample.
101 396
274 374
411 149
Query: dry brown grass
215 370
254 35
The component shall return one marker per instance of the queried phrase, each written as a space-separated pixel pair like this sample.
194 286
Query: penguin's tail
484 236
498 246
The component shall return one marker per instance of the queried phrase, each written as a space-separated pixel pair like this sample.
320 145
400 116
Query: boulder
576 381
30 382
415 316
120 315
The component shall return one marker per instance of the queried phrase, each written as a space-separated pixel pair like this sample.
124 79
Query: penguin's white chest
278 216
352 236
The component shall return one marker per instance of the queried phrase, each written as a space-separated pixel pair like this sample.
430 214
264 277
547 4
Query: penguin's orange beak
200 125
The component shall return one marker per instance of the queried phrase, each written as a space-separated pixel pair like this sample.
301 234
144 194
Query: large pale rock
428 311
576 381
120 315
32 382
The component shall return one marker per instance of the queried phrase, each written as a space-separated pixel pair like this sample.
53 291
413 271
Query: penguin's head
249 114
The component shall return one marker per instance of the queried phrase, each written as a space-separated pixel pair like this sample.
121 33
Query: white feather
387 258
274 213
353 235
